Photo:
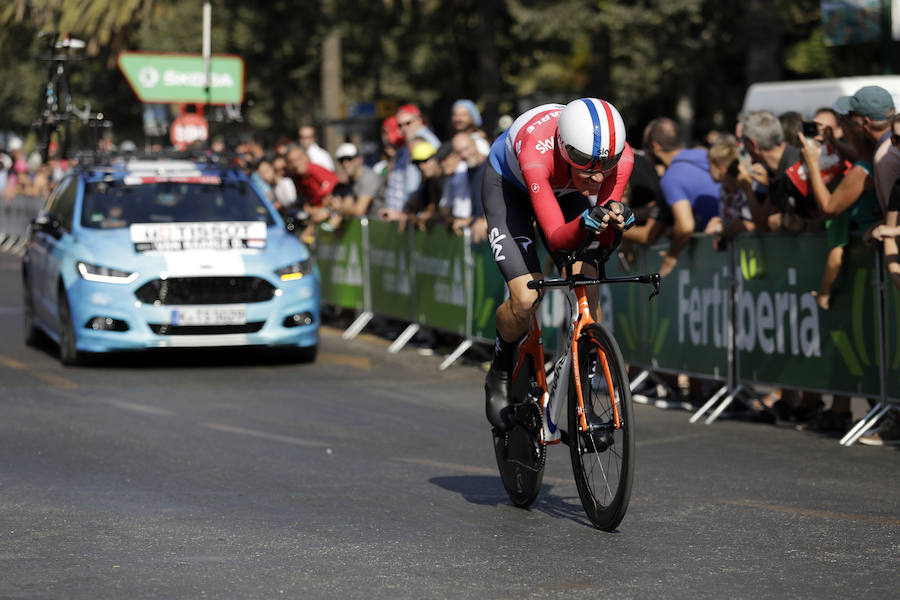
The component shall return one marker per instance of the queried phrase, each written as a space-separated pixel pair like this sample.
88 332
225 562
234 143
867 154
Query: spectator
264 178
465 118
422 208
284 191
475 161
652 214
404 178
391 140
734 194
786 208
791 123
317 155
686 185
361 193
456 197
827 119
314 182
412 124
851 205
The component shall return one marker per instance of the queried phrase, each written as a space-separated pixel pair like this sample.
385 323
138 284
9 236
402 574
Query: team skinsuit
530 177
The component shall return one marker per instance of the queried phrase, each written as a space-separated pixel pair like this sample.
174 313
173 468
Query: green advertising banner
171 77
624 306
340 258
785 338
488 292
390 271
685 326
440 292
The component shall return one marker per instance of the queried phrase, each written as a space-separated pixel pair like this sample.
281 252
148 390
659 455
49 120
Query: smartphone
810 129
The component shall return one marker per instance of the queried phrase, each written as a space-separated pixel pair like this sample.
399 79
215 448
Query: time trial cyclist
567 167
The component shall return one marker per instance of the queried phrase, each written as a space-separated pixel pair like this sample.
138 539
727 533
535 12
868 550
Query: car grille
205 290
205 329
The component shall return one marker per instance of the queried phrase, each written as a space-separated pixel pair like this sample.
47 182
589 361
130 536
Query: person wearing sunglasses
565 167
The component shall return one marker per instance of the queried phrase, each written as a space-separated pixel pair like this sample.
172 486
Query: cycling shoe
496 401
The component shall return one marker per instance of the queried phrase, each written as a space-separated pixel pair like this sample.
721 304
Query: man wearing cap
404 177
423 204
361 194
871 109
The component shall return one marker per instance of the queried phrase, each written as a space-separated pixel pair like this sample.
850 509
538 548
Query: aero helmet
590 134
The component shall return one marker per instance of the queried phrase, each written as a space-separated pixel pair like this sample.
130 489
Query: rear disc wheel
521 451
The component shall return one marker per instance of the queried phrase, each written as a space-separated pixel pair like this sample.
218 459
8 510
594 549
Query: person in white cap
361 193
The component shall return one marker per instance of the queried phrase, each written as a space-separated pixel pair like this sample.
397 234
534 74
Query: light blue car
166 254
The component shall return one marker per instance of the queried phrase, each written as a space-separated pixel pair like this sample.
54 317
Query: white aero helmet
590 134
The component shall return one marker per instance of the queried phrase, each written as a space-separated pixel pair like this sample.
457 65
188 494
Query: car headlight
296 270
105 274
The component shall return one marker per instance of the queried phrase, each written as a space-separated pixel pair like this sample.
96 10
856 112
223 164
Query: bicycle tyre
602 461
521 452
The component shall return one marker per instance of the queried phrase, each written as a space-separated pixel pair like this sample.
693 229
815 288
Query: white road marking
274 437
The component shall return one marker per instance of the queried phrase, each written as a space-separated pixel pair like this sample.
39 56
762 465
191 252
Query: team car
166 253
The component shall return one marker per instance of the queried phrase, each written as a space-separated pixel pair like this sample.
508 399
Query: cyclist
567 167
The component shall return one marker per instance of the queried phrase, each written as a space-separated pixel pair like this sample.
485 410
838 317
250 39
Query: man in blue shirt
687 186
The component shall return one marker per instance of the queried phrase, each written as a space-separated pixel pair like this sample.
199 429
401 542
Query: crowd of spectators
835 171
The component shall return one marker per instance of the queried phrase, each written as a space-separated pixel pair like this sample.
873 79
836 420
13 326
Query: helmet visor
590 164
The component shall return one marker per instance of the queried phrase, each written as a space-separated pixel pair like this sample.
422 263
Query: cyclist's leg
511 235
572 205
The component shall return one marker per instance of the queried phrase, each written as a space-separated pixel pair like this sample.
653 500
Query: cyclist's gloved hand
592 219
627 215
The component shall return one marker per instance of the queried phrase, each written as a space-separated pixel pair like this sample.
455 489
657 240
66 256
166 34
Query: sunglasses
405 123
344 159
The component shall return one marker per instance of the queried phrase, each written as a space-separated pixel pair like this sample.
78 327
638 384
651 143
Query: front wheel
602 453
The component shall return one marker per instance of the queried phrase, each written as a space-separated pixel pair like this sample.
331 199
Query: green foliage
647 56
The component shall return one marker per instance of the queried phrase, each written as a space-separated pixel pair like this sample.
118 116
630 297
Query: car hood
115 248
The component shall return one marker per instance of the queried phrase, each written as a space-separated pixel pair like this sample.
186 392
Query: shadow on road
488 491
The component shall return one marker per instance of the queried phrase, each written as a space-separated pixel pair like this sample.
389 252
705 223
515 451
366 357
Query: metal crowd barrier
15 216
742 317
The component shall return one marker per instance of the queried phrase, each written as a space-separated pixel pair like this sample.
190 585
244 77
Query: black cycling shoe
496 399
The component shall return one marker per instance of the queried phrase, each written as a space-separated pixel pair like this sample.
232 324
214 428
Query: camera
810 129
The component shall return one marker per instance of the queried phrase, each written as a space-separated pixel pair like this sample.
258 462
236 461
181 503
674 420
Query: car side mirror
48 224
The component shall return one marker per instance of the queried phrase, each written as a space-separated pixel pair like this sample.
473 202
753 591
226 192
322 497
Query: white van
808 95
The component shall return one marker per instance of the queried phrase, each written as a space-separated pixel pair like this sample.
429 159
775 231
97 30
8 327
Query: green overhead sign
169 78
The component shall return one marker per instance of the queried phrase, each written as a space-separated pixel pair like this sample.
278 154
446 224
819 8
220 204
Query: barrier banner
340 258
624 306
488 292
685 326
440 292
784 338
390 271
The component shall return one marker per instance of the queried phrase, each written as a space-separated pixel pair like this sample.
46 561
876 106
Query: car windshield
114 205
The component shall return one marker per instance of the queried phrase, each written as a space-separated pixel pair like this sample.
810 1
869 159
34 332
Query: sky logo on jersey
544 146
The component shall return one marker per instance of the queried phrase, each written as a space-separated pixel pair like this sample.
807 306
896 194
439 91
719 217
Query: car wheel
68 351
32 335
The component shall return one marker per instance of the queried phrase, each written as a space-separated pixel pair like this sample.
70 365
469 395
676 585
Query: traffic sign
173 77
187 129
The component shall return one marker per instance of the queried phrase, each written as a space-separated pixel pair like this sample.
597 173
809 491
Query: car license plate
209 315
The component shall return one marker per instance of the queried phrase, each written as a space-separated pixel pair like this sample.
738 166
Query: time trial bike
588 382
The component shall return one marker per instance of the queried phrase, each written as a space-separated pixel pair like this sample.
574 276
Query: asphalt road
370 475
